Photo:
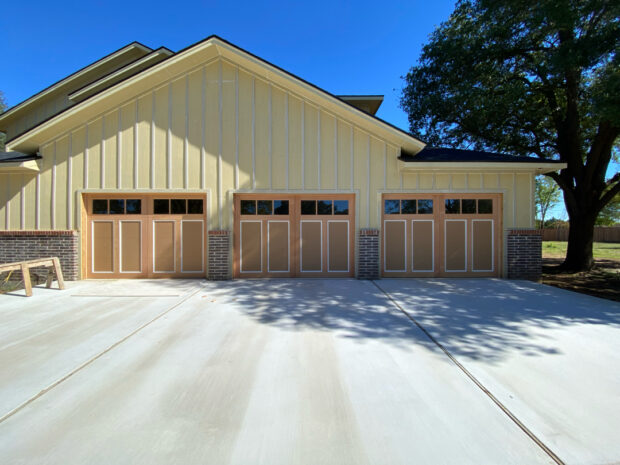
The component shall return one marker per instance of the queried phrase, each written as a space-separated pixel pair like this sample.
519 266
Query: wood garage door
294 236
155 236
455 235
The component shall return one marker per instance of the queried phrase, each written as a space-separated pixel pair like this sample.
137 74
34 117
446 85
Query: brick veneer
368 254
219 255
524 254
16 246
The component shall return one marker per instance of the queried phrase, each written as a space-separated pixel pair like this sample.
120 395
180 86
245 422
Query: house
213 162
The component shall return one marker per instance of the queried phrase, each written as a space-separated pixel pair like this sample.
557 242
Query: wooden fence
601 234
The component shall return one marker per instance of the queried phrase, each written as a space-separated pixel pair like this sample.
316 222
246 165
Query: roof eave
531 167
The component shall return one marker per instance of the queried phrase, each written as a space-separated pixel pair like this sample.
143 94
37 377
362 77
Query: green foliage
528 78
547 196
610 214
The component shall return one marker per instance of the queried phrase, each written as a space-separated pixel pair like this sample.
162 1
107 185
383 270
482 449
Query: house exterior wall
220 128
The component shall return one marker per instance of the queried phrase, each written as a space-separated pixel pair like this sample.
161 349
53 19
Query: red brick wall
524 249
368 254
17 246
219 255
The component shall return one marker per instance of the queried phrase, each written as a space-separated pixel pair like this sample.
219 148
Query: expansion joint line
24 404
495 400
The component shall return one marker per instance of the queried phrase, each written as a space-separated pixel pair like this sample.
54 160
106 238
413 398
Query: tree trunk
580 240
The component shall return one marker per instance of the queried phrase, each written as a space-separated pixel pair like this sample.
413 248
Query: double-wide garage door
294 236
441 235
155 236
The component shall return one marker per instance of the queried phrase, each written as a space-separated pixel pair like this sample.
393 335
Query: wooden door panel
164 246
192 246
130 234
102 246
338 248
311 246
278 246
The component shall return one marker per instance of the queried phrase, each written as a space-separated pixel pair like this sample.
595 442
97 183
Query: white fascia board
533 167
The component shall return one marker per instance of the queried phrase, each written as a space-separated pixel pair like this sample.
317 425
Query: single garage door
154 236
454 235
294 236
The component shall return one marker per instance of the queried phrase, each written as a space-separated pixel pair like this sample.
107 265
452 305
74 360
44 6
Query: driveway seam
481 386
27 402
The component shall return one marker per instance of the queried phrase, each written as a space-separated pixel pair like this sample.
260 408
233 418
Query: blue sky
345 47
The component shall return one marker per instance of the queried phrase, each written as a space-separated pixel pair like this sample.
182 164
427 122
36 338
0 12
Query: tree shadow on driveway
346 307
490 318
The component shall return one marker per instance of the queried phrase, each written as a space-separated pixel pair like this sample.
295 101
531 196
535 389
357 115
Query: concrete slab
268 372
46 336
551 356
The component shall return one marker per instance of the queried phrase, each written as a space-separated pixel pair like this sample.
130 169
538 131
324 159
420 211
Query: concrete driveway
306 371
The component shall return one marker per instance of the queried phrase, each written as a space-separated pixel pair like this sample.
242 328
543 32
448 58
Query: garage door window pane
264 207
341 207
117 206
392 207
280 207
453 206
468 205
485 206
324 207
133 206
161 206
194 206
100 206
425 206
407 207
308 207
179 206
248 207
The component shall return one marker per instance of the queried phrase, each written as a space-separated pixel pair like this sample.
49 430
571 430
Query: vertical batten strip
467 181
220 145
69 182
22 204
37 203
384 165
102 155
287 138
152 148
169 139
186 140
303 145
532 208
7 208
368 181
203 116
352 144
270 138
86 153
135 147
119 148
237 128
53 193
335 153
253 133
514 200
318 145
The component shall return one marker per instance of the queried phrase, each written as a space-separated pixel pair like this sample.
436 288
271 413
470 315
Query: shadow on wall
486 319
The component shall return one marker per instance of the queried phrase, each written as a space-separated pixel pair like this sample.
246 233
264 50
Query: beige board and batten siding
217 127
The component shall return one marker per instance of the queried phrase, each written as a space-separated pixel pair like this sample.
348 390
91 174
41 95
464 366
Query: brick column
16 246
524 254
368 254
219 255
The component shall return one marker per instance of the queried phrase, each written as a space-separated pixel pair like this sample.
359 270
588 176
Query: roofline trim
530 166
72 76
147 57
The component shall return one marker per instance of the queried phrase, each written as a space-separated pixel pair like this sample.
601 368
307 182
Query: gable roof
131 48
209 48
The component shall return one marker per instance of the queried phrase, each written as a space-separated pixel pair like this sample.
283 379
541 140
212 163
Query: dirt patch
602 281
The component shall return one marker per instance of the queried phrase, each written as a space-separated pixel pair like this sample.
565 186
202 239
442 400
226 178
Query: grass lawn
602 250
602 281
